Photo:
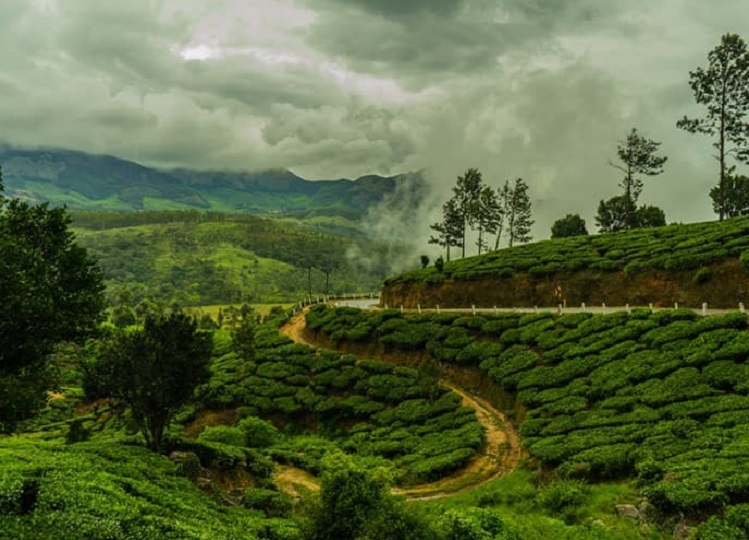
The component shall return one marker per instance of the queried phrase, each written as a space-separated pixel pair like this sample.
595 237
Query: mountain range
84 181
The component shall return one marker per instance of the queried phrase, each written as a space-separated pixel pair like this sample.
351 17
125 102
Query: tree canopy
50 291
156 369
723 88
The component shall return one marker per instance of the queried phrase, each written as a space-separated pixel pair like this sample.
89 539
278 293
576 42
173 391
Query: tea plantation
675 247
368 408
663 397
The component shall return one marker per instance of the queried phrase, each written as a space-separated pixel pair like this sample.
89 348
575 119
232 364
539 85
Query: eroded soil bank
727 285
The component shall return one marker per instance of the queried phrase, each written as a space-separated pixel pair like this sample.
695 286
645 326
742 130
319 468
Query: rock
628 511
682 531
188 464
205 484
648 512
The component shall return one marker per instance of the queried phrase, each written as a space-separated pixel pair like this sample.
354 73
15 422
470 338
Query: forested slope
192 258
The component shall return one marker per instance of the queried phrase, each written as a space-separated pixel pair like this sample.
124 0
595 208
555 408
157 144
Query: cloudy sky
541 89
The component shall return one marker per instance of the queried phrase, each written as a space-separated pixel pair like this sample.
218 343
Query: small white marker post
401 309
676 305
626 306
603 307
535 309
704 309
473 309
651 308
741 307
583 306
495 310
559 309
438 309
418 307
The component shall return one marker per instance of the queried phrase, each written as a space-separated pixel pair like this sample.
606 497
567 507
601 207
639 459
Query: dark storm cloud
330 88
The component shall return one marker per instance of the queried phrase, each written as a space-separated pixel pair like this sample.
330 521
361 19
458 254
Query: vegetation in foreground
661 397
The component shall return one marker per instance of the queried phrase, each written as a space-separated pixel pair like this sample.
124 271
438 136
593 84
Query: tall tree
451 230
723 88
504 196
519 218
616 214
156 369
467 192
638 157
50 291
489 212
735 196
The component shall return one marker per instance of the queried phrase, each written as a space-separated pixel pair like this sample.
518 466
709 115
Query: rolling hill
94 182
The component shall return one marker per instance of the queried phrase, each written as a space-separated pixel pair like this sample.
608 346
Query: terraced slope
662 396
689 264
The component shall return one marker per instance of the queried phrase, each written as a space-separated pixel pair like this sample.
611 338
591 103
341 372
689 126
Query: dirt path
500 454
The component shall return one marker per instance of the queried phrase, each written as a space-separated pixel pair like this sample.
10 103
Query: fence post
559 309
676 305
401 309
438 309
603 307
473 309
583 306
704 309
495 310
741 307
535 309
626 306
651 307
418 307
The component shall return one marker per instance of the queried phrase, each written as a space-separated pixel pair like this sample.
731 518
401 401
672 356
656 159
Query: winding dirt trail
500 454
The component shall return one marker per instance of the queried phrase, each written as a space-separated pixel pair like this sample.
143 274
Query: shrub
272 503
702 275
223 434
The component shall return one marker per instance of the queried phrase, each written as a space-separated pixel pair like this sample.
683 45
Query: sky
538 89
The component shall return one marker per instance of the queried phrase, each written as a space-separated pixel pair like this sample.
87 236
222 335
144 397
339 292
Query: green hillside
194 258
661 397
675 247
107 183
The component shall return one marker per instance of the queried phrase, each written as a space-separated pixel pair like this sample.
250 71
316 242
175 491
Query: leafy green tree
156 369
424 259
504 197
736 196
243 336
329 262
619 213
51 292
519 218
723 88
569 225
467 193
650 216
451 230
355 504
638 157
489 214
616 214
